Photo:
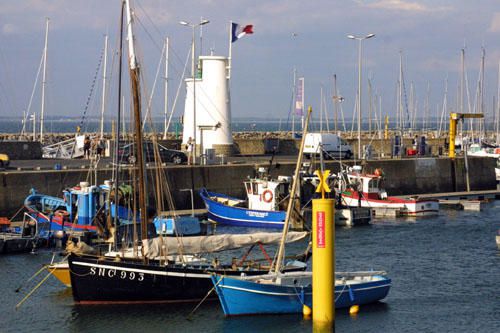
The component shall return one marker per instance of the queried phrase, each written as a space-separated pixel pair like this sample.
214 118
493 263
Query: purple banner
299 97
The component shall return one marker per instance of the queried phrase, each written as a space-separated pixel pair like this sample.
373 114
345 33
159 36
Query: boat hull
407 207
16 243
101 280
240 297
240 217
353 216
61 272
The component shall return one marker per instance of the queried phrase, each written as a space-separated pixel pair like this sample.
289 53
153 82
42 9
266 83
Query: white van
332 145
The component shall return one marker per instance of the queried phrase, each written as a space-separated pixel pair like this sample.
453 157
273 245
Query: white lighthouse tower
213 107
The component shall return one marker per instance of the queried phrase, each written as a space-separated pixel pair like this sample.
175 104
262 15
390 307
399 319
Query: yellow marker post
454 117
386 129
453 133
323 258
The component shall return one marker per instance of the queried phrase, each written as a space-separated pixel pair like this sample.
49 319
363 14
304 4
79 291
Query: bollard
323 259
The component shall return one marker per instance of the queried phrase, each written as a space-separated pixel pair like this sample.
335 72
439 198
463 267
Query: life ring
379 172
61 213
267 196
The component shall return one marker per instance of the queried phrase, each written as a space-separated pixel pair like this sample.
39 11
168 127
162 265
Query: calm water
445 272
69 125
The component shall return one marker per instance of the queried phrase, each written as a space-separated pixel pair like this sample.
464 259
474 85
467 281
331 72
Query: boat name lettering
257 214
111 273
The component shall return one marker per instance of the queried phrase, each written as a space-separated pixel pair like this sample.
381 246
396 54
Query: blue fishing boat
224 209
264 206
76 210
289 292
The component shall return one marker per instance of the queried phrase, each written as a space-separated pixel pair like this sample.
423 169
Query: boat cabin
264 194
84 202
369 184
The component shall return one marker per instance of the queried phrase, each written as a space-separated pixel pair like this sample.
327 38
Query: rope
204 298
91 89
31 278
38 285
19 210
341 292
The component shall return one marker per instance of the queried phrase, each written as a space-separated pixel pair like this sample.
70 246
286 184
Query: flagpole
230 50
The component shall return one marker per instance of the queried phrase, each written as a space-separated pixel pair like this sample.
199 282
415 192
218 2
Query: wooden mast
136 103
281 251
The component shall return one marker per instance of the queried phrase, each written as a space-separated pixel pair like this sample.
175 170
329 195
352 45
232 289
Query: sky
309 36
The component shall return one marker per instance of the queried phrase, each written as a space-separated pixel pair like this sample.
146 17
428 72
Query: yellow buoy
353 310
306 311
323 265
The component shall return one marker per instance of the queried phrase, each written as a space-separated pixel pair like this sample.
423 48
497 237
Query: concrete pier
402 177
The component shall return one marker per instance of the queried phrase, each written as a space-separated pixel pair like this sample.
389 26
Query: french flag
238 31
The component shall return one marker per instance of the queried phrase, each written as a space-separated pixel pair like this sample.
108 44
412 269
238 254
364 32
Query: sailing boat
162 269
287 292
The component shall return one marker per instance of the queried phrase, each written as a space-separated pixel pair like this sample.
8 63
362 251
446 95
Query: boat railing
359 273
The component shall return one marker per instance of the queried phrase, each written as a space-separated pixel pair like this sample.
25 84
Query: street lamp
194 26
360 39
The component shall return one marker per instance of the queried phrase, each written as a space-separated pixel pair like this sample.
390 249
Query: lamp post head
204 22
184 23
369 36
351 37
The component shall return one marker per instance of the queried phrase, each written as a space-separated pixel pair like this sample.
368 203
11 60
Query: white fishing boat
364 190
476 150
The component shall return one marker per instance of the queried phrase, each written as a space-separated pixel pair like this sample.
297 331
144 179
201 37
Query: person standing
86 147
190 149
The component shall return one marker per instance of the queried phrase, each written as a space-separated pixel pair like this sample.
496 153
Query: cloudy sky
307 35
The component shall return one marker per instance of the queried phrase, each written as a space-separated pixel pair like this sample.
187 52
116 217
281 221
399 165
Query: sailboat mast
44 78
321 109
281 251
103 101
136 101
497 123
462 80
294 96
335 101
165 125
400 106
118 121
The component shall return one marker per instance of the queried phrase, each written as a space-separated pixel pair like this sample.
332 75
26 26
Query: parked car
126 154
4 160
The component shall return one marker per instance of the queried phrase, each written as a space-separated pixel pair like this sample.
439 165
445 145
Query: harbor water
445 272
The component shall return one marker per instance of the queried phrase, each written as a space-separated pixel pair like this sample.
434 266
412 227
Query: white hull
353 216
409 208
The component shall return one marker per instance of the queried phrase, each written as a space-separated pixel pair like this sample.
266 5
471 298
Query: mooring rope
39 284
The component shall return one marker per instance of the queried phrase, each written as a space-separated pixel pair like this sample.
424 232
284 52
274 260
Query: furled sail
162 246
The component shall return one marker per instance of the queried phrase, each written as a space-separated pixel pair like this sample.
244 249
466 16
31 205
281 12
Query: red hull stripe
59 221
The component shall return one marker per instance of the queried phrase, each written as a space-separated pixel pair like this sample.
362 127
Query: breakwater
403 176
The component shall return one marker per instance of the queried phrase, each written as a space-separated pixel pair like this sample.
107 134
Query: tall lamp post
193 73
360 39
